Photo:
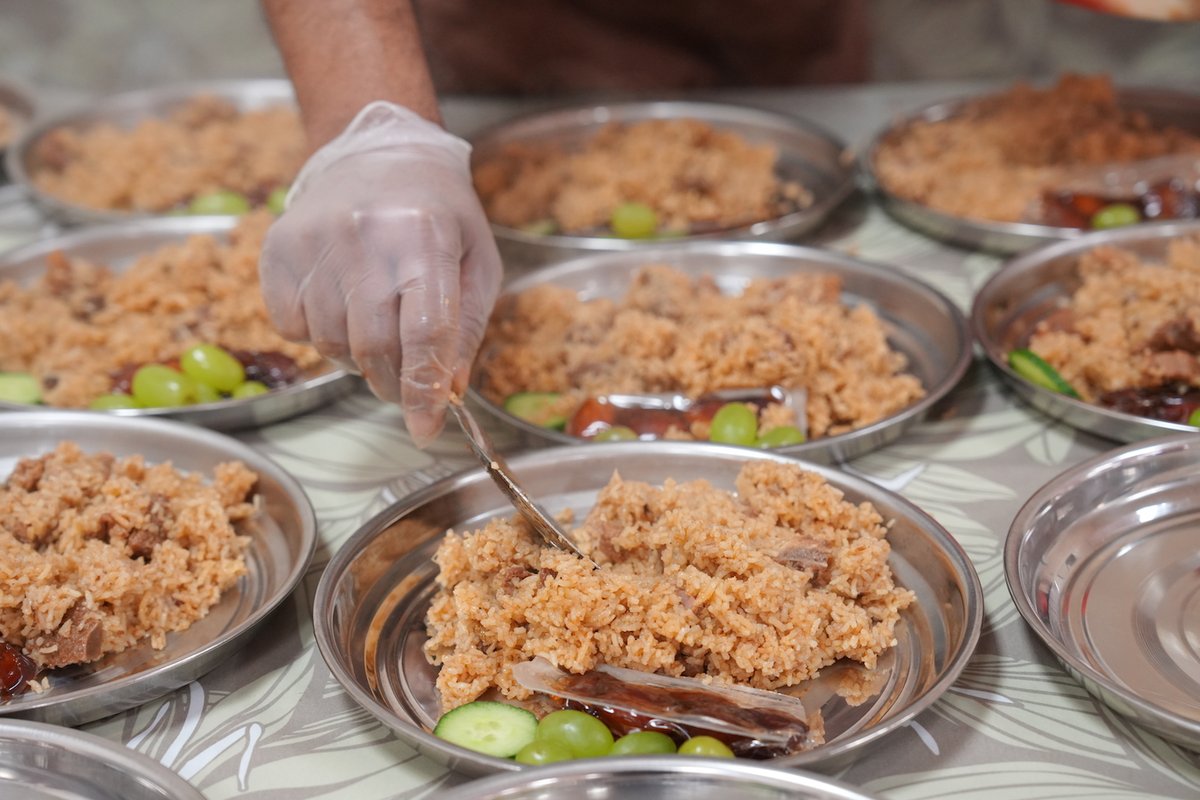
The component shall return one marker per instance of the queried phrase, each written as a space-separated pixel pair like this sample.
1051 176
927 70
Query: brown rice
995 158
1133 322
696 177
673 333
81 323
113 550
160 164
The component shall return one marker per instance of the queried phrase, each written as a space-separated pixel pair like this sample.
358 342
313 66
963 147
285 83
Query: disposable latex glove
384 261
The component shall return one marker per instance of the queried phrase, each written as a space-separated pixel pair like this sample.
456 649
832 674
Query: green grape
782 436
207 394
222 201
634 221
734 423
20 387
642 743
543 752
277 200
1194 419
541 227
617 433
1116 215
213 366
159 386
582 734
108 402
705 746
250 389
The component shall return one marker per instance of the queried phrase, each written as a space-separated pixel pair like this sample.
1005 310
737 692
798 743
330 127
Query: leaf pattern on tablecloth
1166 758
1042 708
1005 780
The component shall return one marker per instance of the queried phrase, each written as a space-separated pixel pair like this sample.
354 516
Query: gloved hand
384 261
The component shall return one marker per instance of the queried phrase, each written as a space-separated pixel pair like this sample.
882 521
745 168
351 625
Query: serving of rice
99 553
81 324
1134 322
994 157
696 177
765 587
206 145
671 332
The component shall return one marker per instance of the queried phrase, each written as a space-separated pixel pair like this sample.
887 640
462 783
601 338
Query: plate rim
1013 543
97 748
181 432
495 787
827 755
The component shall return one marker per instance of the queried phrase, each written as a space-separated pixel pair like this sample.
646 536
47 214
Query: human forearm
342 54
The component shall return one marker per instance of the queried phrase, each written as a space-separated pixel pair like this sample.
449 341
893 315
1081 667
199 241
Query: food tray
370 605
1032 286
1102 563
125 111
921 322
47 762
656 778
1162 106
283 537
118 246
808 154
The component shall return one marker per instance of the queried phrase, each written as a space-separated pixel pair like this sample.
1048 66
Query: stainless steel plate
921 322
126 110
1030 287
283 537
1162 106
656 778
47 762
1103 564
369 610
118 246
807 154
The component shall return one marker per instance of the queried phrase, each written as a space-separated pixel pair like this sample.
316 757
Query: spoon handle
495 465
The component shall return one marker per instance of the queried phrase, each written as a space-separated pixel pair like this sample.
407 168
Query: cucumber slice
488 727
20 387
1030 366
535 407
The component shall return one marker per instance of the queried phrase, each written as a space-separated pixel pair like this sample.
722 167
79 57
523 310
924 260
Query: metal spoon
497 468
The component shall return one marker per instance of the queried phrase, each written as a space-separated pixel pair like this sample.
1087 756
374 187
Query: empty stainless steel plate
369 609
48 762
656 778
1103 562
1033 286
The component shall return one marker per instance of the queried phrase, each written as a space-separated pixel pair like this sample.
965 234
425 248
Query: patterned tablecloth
271 723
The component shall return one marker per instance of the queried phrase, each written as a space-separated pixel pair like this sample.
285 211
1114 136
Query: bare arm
342 54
